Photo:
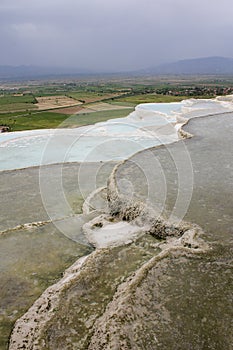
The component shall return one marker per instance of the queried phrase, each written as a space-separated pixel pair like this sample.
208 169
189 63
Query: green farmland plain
19 111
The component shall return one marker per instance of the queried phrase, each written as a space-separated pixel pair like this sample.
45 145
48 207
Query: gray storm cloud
112 35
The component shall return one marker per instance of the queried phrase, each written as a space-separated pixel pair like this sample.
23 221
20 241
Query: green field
91 96
152 98
48 120
10 99
95 117
10 103
30 121
85 94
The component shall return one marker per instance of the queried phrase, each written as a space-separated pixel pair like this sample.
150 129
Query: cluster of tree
196 91
182 91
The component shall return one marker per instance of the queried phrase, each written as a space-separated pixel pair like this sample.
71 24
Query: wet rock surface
34 252
170 288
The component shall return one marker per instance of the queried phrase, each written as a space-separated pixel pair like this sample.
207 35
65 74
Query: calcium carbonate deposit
119 235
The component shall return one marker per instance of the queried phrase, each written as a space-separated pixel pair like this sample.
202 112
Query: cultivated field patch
88 96
91 107
51 102
16 102
70 110
100 107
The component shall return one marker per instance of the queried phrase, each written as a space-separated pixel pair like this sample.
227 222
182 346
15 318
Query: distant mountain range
197 66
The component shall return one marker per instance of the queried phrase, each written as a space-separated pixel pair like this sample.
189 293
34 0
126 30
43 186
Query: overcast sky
113 35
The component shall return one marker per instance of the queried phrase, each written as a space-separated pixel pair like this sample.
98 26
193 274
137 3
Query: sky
113 35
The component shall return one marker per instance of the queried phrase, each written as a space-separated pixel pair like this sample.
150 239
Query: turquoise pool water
166 108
